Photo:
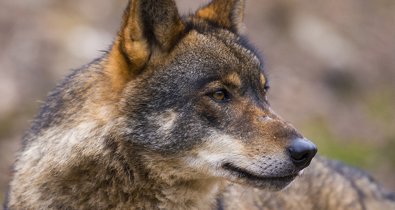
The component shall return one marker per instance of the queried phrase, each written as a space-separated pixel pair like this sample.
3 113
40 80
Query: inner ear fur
228 14
147 25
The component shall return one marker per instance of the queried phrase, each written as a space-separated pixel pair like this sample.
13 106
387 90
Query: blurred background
331 64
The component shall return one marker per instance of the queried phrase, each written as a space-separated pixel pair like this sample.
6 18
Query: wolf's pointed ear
226 13
147 25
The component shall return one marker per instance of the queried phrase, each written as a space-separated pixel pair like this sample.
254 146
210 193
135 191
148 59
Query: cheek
219 146
209 112
178 131
165 121
215 150
228 116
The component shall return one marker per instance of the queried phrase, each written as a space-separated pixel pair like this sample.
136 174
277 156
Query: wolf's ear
226 13
147 25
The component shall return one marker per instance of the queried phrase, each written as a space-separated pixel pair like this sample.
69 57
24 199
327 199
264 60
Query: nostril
298 155
302 151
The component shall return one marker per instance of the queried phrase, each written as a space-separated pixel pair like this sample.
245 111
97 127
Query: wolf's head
194 97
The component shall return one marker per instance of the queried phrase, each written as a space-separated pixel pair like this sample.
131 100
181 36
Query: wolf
175 115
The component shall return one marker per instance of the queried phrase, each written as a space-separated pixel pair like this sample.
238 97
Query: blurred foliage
381 106
360 151
351 151
388 150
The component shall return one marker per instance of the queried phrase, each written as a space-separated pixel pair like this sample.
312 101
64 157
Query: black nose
301 152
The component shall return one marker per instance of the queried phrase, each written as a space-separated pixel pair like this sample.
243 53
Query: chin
272 185
266 182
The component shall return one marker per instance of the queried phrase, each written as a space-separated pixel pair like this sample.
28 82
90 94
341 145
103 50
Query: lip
244 174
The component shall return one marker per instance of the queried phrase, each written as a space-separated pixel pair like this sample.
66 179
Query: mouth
270 182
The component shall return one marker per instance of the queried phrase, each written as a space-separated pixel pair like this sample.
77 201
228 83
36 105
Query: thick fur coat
175 116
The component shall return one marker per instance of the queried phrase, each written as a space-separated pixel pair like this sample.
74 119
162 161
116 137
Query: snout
301 152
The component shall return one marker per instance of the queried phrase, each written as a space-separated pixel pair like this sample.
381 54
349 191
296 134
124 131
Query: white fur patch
55 148
60 142
220 149
217 149
166 120
266 119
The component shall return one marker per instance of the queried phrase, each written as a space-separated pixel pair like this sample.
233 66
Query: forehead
219 52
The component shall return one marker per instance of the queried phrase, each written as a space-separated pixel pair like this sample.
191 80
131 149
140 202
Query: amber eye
264 83
220 95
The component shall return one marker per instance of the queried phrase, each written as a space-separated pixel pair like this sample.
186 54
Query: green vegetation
380 105
388 150
352 151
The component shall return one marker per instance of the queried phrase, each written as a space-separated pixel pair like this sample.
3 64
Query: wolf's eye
220 95
264 83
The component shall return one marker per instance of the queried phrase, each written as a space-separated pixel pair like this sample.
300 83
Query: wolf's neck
197 194
157 187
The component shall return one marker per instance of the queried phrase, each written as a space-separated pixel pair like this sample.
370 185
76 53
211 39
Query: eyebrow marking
233 79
